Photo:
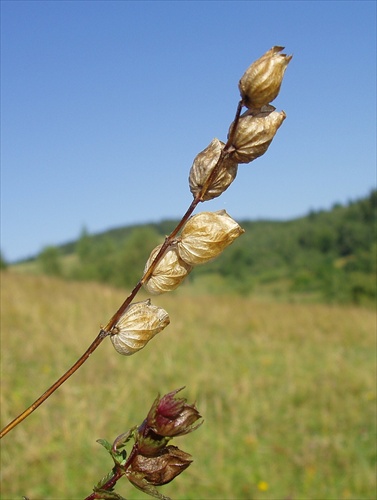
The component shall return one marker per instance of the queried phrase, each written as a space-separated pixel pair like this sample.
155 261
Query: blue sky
104 106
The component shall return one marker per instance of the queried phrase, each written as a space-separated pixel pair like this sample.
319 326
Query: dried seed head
169 272
203 165
161 469
206 235
254 133
137 326
261 82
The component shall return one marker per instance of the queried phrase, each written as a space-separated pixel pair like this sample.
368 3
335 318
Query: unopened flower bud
171 416
169 273
144 471
203 165
137 326
262 80
206 235
255 133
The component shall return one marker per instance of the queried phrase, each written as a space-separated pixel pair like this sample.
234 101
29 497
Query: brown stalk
104 332
118 472
109 485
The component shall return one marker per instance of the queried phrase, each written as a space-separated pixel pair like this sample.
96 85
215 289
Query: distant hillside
325 256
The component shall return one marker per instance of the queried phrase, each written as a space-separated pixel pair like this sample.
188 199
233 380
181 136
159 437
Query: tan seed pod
169 272
137 326
206 235
261 82
203 165
254 134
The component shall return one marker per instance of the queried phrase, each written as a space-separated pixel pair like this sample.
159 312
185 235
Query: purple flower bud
170 416
148 442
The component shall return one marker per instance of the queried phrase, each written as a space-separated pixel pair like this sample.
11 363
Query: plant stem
169 239
109 485
118 472
104 332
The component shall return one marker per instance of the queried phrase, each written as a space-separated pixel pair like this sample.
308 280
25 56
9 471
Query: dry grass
287 392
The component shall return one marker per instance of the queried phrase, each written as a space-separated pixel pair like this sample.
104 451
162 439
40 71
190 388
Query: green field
287 391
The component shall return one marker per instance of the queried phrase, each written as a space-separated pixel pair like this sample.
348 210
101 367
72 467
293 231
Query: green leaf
119 457
122 440
105 444
103 481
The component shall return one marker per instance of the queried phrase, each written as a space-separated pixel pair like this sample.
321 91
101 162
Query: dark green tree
3 262
49 261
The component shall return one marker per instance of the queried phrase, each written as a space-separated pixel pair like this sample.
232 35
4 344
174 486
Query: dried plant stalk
213 170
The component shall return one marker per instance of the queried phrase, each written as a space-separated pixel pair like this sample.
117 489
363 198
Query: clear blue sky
104 105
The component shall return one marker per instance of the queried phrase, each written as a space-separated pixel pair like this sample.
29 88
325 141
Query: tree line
327 256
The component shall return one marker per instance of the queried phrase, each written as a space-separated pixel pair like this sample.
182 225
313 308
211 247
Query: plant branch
109 485
104 332
169 239
118 472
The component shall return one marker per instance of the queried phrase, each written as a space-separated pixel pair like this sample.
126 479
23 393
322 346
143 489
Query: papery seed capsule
262 80
161 469
137 326
203 165
255 133
169 272
206 235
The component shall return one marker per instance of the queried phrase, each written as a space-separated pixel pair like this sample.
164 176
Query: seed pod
206 235
137 326
255 133
262 80
161 469
203 165
169 272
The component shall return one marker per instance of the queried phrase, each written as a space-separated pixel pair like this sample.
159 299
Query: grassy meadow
287 391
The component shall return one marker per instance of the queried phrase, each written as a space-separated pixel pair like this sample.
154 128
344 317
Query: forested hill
327 256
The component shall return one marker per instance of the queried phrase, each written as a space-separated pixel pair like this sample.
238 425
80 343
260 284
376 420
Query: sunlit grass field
287 391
